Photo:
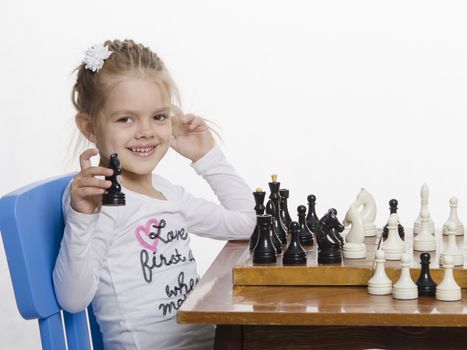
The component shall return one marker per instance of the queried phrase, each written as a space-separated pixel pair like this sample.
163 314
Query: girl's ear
84 123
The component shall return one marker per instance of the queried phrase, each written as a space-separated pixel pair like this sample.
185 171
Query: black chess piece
284 211
336 231
264 252
393 210
329 247
311 218
295 254
306 237
275 197
113 196
426 285
274 237
259 195
255 235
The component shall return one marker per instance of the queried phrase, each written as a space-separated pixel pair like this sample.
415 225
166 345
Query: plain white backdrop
331 95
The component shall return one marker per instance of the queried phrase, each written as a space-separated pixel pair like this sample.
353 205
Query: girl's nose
145 130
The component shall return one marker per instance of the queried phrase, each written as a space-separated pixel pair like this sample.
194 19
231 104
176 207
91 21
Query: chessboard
350 272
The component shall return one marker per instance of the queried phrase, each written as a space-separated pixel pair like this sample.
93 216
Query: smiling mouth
142 151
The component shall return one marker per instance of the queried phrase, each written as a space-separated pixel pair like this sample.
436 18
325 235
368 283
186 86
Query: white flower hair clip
94 57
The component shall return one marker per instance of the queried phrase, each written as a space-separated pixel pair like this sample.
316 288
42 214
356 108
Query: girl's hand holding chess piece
86 190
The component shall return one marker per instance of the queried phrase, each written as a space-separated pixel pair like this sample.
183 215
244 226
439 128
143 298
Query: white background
331 95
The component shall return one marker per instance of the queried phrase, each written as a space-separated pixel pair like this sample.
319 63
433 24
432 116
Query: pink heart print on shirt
142 235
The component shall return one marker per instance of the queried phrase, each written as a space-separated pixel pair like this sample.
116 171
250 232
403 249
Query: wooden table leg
228 337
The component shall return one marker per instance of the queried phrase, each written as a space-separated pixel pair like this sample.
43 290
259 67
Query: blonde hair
128 58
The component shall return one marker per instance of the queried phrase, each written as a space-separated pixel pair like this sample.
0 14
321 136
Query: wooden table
307 317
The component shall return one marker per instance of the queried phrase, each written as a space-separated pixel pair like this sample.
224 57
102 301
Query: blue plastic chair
31 223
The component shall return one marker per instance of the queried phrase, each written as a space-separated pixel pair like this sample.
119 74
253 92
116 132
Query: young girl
134 262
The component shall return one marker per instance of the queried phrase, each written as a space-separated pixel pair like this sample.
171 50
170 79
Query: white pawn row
405 288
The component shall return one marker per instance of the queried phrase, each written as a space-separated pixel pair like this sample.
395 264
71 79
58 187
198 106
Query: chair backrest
31 223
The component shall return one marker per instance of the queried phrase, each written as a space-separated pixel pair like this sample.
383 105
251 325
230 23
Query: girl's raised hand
191 135
86 190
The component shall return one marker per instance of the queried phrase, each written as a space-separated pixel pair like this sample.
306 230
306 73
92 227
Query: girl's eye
160 117
124 120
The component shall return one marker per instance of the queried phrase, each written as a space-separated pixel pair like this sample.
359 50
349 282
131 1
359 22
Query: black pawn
259 208
264 252
113 196
393 210
284 211
306 237
426 285
295 254
273 233
275 197
311 218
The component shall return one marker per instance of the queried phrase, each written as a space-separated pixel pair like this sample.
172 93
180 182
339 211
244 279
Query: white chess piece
393 246
451 248
424 194
354 246
368 212
379 283
425 241
405 288
448 289
454 218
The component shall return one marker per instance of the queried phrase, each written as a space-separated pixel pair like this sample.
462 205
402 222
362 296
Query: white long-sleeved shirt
135 264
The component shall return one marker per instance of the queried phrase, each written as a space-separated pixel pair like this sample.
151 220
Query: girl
134 262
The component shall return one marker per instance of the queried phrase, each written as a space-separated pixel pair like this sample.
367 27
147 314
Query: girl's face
135 123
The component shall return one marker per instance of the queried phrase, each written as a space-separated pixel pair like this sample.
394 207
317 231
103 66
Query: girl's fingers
186 123
198 123
91 182
193 122
85 157
84 192
189 118
96 171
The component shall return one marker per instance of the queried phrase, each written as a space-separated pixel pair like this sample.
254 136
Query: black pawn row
278 209
265 252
